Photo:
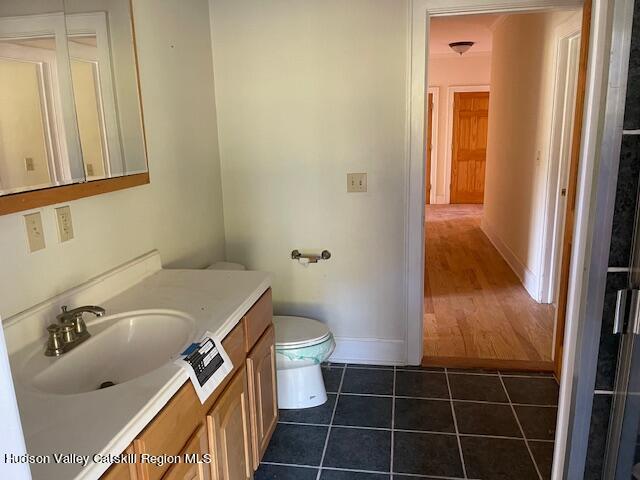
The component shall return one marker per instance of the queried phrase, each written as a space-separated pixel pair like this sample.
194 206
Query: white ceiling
461 28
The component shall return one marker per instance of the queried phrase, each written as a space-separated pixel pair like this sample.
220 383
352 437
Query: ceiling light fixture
461 47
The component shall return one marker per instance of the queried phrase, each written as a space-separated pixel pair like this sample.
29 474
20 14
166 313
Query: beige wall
180 212
21 126
520 113
445 72
307 92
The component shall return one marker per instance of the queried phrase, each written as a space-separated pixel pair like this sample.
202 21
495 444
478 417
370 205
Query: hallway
477 313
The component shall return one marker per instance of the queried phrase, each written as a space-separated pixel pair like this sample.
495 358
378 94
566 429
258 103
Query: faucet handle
68 330
55 345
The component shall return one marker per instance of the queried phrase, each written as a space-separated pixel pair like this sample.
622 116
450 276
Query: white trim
567 39
449 131
569 420
435 91
529 279
378 351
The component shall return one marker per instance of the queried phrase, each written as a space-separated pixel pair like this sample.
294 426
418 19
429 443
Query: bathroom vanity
232 428
152 409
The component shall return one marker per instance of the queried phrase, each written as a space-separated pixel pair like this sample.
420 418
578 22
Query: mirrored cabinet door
105 87
70 109
39 146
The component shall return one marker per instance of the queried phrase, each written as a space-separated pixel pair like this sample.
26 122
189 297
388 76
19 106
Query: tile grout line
454 372
455 424
333 414
405 430
375 472
526 442
393 421
541 405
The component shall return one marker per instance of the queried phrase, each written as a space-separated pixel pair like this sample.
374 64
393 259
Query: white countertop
106 421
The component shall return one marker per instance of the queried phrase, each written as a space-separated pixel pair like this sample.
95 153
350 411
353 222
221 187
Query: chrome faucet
71 330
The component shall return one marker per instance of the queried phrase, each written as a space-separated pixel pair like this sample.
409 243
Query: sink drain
106 385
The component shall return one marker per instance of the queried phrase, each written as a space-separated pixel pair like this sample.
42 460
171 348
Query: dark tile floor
383 423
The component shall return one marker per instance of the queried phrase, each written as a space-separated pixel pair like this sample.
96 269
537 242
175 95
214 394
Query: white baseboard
369 350
529 280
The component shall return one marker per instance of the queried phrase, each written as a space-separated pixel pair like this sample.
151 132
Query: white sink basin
132 345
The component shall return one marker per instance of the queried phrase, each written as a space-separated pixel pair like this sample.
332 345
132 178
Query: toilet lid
295 332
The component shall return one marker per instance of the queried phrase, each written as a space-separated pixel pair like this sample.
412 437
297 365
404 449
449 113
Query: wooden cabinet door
263 396
469 147
228 425
196 467
121 471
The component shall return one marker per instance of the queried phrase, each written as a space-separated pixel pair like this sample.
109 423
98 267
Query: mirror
105 87
69 97
38 147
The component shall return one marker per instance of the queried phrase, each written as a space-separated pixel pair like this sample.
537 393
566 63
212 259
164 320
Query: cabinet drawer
170 430
258 319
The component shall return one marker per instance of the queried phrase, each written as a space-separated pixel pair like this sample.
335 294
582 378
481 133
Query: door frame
435 91
588 261
558 163
451 91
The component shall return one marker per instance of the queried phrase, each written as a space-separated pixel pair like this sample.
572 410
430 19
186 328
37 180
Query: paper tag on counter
207 364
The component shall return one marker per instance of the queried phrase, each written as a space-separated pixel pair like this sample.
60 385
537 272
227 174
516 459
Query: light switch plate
356 182
65 224
35 232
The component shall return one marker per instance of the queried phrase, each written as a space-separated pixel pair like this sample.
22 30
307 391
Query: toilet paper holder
312 258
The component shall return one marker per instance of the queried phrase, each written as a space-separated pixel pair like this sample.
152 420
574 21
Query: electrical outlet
65 224
35 232
356 182
90 170
29 164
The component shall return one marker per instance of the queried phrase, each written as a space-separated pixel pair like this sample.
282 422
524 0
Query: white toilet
302 344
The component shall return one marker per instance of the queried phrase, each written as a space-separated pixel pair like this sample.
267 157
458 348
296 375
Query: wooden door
469 146
263 395
228 425
574 163
198 454
429 147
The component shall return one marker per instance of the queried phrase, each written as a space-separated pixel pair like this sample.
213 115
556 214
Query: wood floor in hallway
477 313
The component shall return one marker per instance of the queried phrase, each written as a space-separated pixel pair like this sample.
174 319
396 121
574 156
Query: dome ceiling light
461 47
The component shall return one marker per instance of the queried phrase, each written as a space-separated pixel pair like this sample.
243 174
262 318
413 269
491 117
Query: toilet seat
302 344
299 332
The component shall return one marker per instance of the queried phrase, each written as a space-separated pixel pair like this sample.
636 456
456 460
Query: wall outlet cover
356 182
35 232
65 224
29 164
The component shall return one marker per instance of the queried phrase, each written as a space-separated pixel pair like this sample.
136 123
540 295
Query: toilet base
301 387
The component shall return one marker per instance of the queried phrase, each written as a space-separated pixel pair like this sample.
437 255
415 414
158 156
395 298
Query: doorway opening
498 180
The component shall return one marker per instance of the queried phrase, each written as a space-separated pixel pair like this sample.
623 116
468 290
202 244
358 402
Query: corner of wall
530 280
